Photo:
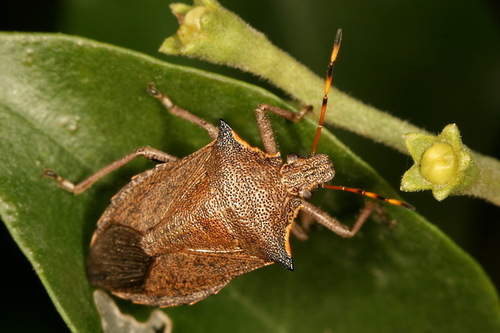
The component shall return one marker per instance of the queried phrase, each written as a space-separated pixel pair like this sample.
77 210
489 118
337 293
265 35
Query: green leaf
75 105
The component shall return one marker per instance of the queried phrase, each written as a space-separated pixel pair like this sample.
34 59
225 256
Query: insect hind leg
78 188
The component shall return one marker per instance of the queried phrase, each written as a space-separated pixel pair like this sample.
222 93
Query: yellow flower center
439 163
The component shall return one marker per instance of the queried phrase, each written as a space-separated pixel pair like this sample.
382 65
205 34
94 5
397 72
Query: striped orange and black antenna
371 195
328 84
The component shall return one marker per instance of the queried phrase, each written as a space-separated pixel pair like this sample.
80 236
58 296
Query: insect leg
299 232
335 225
180 112
147 152
265 128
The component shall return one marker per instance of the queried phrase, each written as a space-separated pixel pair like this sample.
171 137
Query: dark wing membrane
188 277
117 261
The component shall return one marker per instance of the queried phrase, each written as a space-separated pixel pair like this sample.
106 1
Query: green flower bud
443 163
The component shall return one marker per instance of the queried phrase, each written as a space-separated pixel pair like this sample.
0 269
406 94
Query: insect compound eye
292 157
306 194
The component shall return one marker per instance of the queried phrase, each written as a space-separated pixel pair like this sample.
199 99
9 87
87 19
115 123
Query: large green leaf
75 105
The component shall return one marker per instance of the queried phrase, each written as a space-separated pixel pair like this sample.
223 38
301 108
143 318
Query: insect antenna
370 195
328 84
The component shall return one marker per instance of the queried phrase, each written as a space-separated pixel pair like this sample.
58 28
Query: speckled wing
188 277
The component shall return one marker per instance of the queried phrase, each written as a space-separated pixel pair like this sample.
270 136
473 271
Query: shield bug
183 230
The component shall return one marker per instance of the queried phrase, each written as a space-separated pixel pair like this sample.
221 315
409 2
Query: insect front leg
147 152
299 232
265 128
335 225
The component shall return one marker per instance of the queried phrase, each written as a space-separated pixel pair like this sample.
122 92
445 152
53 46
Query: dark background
431 62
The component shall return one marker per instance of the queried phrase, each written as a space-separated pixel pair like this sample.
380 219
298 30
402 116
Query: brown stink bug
181 231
